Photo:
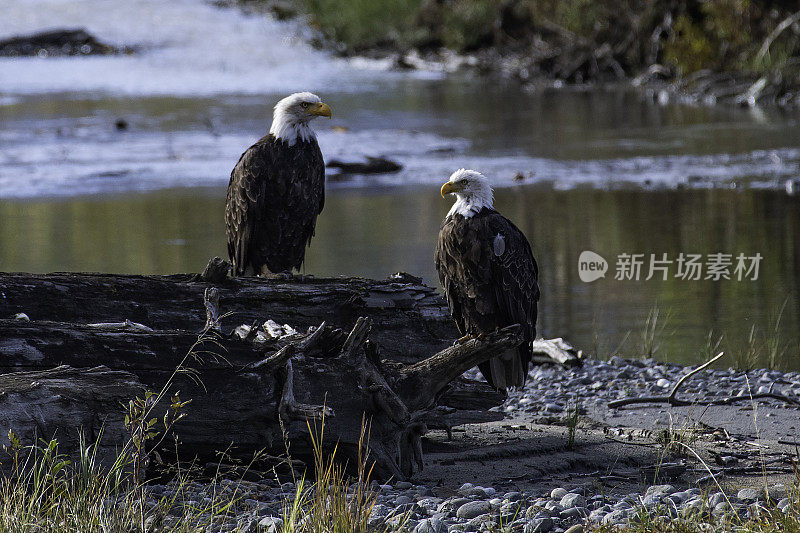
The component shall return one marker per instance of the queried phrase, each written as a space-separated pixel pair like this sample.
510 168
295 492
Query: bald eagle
276 191
488 273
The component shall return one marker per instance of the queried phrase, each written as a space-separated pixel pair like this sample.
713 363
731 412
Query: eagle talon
462 340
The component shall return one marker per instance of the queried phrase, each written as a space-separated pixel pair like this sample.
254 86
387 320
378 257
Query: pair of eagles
484 262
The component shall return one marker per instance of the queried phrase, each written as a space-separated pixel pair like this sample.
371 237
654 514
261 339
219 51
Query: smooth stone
573 500
449 506
400 500
659 489
651 500
598 514
716 499
512 496
692 507
476 523
271 524
573 513
558 493
748 495
577 528
615 517
407 509
533 511
396 521
538 525
472 509
721 509
248 525
429 503
403 485
379 510
553 506
430 525
784 504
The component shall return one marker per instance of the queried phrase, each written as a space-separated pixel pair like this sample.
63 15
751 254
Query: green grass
723 35
334 502
46 491
364 24
43 490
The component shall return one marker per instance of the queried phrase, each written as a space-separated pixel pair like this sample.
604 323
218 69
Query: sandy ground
618 451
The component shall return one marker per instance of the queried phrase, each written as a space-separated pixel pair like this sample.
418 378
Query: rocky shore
714 486
408 507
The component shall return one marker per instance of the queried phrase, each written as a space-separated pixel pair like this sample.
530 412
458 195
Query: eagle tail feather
505 371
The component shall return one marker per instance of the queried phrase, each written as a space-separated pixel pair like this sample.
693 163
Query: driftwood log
264 357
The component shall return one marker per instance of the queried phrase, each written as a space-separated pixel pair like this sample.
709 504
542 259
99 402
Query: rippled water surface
606 170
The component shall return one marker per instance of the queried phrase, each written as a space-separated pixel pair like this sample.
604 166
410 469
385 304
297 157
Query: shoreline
521 474
549 55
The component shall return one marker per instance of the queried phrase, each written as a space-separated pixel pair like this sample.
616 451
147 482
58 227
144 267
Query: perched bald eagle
488 273
276 191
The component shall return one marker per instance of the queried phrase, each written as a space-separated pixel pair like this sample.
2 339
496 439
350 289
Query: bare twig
211 301
787 22
671 397
673 400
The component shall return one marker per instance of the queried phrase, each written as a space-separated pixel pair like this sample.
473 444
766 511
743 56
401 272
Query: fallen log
409 317
67 404
350 348
243 410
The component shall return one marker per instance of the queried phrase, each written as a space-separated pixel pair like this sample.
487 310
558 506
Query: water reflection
376 232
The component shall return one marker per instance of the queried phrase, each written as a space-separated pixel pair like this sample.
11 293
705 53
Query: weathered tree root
249 394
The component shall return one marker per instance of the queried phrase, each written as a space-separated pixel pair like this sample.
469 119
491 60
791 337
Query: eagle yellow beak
320 110
450 187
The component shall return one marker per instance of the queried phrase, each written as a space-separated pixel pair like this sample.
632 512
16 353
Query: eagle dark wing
516 274
490 278
274 196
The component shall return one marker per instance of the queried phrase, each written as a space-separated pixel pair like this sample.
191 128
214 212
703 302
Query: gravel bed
549 392
551 389
416 508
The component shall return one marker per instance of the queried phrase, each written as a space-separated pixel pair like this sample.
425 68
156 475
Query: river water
606 170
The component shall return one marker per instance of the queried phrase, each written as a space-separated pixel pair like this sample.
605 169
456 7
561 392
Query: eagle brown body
275 193
490 283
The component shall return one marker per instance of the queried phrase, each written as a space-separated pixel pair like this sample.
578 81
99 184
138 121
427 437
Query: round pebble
473 509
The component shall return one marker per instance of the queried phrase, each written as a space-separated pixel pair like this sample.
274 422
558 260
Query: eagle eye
305 105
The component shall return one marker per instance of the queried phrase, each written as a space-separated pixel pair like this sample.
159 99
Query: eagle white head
292 115
472 191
